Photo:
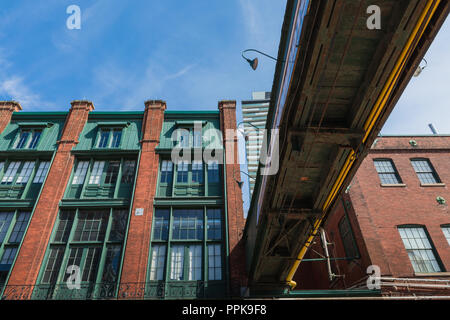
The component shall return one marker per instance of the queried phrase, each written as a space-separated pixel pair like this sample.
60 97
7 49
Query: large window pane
5 221
195 262
97 172
187 224
112 263
91 226
23 137
34 139
112 172
157 262
176 262
104 137
386 172
425 172
214 227
213 172
91 263
75 256
182 171
445 229
197 171
8 255
214 262
117 134
19 227
42 172
10 173
129 167
419 249
118 225
64 226
25 173
345 230
53 265
166 171
197 138
161 224
80 173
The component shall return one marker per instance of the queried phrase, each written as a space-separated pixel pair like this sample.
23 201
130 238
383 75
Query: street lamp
254 63
240 183
249 123
419 68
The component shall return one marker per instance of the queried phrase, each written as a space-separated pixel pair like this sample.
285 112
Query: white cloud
14 87
130 89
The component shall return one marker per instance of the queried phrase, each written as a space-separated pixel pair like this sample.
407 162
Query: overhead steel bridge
337 79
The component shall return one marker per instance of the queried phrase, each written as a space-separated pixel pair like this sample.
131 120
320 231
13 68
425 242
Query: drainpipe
325 244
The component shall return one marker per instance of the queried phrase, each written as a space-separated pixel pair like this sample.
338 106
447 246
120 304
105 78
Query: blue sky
184 52
187 53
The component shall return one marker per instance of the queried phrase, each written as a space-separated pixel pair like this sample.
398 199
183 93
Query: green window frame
187 244
12 230
80 172
21 172
420 249
42 172
190 173
188 137
213 172
183 172
109 138
166 171
347 237
102 177
425 171
91 239
22 179
10 173
27 139
387 171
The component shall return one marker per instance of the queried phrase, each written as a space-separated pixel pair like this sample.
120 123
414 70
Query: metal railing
113 291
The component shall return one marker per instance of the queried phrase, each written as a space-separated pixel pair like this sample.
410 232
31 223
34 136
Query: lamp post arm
264 54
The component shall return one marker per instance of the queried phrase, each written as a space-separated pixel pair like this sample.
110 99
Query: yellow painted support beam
368 126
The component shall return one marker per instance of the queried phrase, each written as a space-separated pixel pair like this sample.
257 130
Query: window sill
432 184
388 185
433 274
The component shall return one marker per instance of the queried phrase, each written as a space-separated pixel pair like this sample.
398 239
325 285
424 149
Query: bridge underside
330 119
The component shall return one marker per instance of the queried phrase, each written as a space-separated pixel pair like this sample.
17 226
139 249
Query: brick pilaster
236 221
6 110
138 242
30 257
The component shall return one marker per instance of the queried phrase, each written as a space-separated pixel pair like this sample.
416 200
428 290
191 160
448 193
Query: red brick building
393 215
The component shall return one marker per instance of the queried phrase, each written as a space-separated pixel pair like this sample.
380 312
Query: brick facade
79 126
236 221
31 254
375 211
138 242
6 110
